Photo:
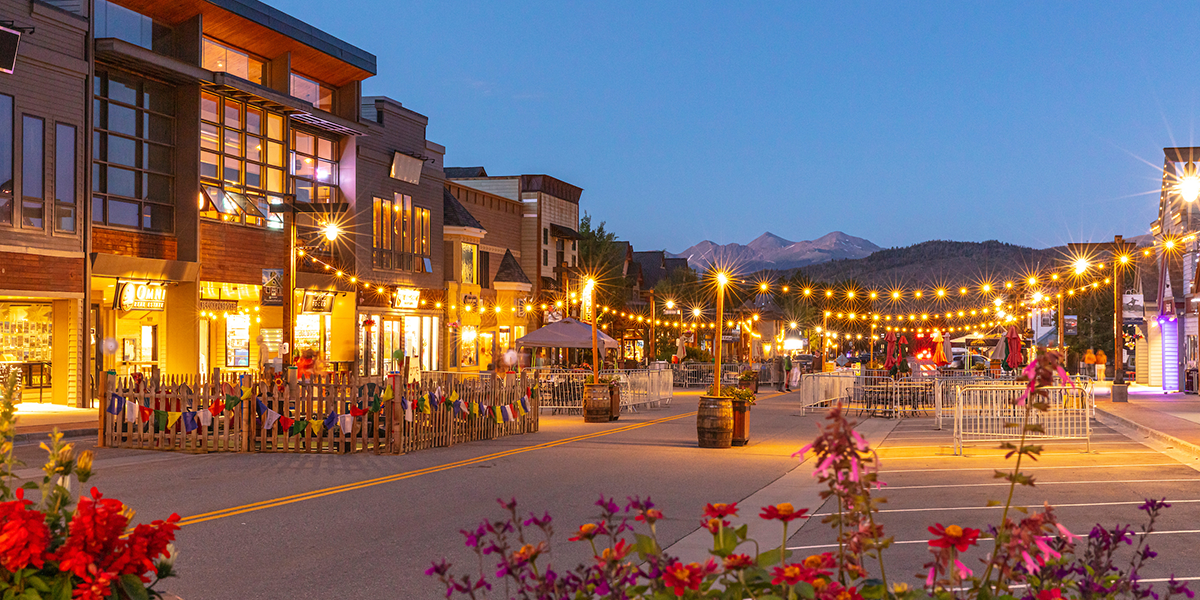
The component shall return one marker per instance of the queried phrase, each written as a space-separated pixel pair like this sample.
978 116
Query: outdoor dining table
895 398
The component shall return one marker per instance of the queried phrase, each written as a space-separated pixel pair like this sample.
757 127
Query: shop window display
468 348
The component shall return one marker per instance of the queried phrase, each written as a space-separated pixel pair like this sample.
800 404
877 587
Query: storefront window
64 178
468 347
486 350
241 162
237 341
133 148
401 234
470 263
25 332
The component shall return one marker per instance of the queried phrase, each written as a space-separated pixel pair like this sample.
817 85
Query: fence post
105 396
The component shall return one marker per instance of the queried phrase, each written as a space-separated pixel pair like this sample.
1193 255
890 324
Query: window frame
474 274
323 91
103 134
264 65
295 173
399 234
240 202
9 128
71 195
39 173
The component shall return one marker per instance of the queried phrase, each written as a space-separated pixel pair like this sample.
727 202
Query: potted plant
743 399
714 417
748 380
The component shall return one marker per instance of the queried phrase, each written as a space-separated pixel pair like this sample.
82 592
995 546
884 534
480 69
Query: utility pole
653 332
1118 286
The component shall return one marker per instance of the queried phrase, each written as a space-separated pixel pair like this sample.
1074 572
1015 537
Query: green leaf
742 532
645 545
132 584
805 590
30 594
993 503
29 485
62 588
771 557
37 583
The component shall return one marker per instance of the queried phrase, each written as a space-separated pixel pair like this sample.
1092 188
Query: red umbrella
890 338
1014 347
939 350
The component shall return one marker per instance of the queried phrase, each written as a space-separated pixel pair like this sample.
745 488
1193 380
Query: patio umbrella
1014 347
890 338
939 350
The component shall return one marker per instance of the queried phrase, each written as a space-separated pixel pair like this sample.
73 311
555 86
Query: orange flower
649 516
681 578
615 554
735 562
714 525
588 531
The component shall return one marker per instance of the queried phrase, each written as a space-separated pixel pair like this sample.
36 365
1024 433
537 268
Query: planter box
741 422
597 403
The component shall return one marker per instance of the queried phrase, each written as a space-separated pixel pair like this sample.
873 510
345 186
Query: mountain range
769 251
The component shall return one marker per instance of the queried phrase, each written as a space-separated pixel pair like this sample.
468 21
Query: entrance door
95 354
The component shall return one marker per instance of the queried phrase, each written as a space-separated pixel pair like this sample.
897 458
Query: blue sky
1031 123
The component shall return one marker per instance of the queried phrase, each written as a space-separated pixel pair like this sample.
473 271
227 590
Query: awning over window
566 233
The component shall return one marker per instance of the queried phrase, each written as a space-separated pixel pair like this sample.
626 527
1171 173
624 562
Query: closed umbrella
890 338
939 350
1014 347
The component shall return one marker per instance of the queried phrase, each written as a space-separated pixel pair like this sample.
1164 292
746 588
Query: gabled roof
454 214
464 172
510 270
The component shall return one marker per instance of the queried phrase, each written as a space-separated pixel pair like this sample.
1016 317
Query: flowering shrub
48 550
1034 558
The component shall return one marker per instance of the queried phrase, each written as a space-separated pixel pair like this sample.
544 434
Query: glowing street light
1081 266
331 231
1189 185
722 280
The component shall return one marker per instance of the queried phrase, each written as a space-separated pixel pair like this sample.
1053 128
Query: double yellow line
245 508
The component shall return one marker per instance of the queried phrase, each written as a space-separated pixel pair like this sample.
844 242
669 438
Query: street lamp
590 290
722 280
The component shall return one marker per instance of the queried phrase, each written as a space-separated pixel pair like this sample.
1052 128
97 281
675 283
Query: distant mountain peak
771 251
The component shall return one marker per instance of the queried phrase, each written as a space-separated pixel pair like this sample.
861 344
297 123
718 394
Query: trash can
1190 380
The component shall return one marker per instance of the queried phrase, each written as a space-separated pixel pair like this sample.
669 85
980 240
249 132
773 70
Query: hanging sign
406 298
272 287
1133 309
318 302
1070 324
140 296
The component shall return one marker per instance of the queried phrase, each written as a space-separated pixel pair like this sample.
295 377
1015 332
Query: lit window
241 162
312 92
219 57
470 263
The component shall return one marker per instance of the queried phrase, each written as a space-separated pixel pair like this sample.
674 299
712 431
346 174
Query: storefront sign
406 298
272 287
318 302
219 305
1070 324
470 300
140 296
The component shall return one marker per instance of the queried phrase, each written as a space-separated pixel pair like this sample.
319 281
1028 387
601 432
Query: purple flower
1177 587
534 520
438 569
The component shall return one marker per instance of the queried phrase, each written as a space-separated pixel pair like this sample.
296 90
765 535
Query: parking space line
1040 483
1056 506
983 539
1000 454
1172 464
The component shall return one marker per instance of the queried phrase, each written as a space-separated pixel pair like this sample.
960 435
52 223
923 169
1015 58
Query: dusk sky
1031 123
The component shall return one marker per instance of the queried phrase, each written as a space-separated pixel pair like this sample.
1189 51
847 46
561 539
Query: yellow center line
237 510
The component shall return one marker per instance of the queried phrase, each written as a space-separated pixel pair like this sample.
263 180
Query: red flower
1054 594
837 592
714 525
681 577
649 516
720 511
821 564
735 562
615 554
784 512
23 534
95 553
953 536
588 531
792 574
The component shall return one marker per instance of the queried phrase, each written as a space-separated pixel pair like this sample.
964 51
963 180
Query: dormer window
222 58
314 93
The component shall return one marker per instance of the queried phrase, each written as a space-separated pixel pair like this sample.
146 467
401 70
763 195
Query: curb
67 433
1110 419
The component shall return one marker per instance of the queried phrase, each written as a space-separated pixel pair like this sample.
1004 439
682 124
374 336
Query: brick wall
236 254
132 243
35 272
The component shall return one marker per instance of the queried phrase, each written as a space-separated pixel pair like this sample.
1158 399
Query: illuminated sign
406 298
318 302
140 296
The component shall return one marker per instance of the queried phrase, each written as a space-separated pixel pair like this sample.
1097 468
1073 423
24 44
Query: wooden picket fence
387 430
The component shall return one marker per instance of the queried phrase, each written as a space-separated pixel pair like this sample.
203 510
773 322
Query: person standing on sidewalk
787 372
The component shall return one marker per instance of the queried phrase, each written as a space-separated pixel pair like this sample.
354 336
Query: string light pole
590 290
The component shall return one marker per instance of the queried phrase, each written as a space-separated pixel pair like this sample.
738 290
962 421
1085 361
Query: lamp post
722 280
590 290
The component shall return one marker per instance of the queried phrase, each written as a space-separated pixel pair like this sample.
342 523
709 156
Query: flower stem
783 545
1012 486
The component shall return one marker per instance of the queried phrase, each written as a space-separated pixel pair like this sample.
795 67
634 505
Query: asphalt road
297 527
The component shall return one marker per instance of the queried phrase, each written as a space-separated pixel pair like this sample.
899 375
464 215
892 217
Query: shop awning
567 333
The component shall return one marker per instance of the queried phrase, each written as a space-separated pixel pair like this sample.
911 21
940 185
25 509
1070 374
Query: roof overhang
511 286
471 232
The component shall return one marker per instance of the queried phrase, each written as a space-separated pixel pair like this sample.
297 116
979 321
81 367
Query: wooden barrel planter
714 422
741 422
597 403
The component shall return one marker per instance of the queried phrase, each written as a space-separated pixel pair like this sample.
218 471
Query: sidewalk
34 420
1171 418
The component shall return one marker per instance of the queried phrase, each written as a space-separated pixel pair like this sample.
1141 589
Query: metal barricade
988 412
886 397
562 391
822 390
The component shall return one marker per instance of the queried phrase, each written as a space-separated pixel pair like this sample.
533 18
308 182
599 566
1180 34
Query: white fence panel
986 412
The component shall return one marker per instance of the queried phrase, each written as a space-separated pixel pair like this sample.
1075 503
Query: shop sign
219 305
470 300
140 296
318 302
406 298
272 287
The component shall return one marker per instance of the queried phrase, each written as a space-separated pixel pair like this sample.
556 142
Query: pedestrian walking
787 372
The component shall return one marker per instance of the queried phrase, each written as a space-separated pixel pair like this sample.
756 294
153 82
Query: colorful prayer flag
249 393
408 411
205 417
285 423
388 393
131 412
145 413
474 408
346 422
262 407
116 405
524 404
356 411
218 407
316 426
453 395
190 423
498 414
160 420
270 418
297 427
423 404
330 419
172 418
